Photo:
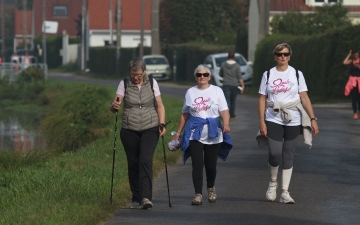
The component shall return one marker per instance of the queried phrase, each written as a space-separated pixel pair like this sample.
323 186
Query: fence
14 69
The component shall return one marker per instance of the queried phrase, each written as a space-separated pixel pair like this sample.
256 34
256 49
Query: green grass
73 187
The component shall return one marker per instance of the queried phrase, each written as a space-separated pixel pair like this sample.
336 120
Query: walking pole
167 178
113 164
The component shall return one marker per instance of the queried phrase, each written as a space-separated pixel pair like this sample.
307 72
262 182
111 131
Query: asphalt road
325 183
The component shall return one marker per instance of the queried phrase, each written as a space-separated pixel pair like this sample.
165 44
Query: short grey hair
281 46
202 67
137 63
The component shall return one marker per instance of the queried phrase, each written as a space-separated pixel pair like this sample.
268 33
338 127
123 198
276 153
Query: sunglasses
202 74
279 54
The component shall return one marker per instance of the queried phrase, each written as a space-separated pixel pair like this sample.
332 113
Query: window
321 2
60 10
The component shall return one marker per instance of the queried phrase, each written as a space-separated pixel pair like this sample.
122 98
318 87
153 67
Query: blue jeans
230 93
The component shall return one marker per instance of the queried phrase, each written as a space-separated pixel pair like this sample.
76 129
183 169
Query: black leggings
139 148
202 154
355 99
282 144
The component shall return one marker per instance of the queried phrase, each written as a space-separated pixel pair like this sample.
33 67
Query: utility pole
83 35
44 32
141 53
155 39
111 22
264 11
24 24
3 30
118 37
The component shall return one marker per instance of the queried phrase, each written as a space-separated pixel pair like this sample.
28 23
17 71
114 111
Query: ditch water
19 133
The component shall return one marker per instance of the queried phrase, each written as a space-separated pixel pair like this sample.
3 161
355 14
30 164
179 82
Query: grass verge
73 187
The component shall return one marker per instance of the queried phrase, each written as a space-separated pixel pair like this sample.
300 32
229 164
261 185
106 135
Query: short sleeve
121 89
262 88
156 88
222 100
302 83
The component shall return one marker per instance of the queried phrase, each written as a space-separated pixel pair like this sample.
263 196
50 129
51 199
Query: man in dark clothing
231 73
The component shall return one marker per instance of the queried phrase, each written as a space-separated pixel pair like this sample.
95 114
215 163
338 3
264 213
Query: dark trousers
282 144
231 93
202 154
139 148
355 99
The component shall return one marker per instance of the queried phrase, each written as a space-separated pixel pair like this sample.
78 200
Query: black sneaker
145 204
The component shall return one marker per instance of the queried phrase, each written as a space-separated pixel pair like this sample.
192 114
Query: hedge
319 57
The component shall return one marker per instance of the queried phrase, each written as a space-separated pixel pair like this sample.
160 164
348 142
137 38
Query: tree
324 18
207 20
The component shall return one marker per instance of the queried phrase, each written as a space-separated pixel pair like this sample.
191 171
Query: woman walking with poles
143 121
284 109
204 138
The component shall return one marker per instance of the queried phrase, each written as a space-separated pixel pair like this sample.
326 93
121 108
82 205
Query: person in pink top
352 87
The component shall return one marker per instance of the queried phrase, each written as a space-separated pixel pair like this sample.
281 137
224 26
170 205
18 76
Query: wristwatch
314 118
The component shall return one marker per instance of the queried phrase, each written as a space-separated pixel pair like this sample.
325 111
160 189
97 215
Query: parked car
157 67
214 62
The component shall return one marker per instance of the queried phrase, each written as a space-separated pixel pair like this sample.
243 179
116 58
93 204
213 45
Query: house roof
286 5
131 15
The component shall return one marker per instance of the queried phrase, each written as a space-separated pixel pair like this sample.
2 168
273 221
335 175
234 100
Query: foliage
242 40
80 117
73 187
319 57
207 21
326 17
32 74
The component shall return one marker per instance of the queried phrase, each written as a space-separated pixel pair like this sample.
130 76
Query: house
67 13
64 12
99 23
259 24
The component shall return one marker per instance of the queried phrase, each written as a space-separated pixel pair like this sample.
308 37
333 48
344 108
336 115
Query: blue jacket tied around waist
197 124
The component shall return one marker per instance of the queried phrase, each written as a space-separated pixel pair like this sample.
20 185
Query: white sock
286 177
273 172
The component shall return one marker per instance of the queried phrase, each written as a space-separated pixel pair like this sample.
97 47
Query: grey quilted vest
139 111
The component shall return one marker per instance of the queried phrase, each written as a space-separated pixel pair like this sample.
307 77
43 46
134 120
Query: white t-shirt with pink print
207 103
282 87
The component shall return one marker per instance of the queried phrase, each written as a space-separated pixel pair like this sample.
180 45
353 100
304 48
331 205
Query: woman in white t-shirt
283 92
204 138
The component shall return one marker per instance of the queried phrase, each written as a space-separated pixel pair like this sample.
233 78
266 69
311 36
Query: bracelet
162 125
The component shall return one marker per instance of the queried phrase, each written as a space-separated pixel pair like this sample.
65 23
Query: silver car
157 67
214 61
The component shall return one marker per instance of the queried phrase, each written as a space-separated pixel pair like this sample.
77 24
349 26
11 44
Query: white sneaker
286 198
271 192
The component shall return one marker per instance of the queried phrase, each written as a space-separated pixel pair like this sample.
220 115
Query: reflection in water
15 138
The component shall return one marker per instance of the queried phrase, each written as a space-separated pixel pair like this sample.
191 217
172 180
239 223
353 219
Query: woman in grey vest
143 119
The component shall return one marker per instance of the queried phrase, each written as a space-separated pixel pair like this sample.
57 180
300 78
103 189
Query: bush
79 120
319 57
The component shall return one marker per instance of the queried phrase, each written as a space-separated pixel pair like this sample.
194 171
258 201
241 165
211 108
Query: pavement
325 183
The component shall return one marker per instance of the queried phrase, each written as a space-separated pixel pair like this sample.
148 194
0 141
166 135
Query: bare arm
161 114
347 60
225 115
115 105
305 101
261 110
182 121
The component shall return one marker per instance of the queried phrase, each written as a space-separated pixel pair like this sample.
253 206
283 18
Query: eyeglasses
136 74
202 74
279 54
